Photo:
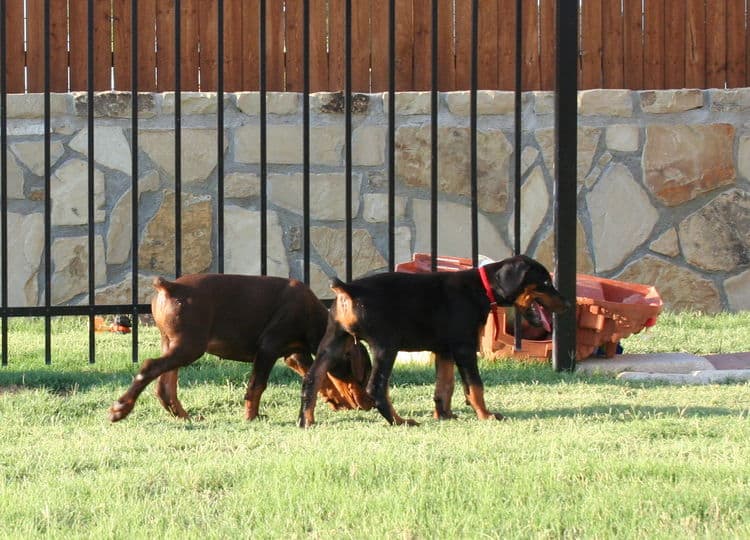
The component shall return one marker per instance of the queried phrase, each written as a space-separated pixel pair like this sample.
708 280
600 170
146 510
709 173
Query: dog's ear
509 277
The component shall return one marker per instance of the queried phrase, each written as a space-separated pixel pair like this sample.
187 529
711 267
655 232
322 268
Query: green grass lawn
579 457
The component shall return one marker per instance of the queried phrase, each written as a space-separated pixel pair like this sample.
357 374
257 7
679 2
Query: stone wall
663 188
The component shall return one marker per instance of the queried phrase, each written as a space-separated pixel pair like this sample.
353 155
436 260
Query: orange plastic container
607 311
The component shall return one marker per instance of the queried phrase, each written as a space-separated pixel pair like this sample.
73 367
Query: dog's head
526 284
344 387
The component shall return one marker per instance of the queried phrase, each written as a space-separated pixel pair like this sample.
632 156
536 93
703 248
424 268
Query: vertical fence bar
391 135
134 174
47 195
263 138
91 187
4 183
306 138
177 143
517 153
473 133
348 133
434 139
564 334
220 132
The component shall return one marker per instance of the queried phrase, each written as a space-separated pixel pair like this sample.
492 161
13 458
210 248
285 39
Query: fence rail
635 44
83 66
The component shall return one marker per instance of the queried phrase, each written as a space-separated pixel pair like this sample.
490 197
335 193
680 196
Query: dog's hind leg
444 385
166 387
298 362
166 391
377 387
466 361
175 357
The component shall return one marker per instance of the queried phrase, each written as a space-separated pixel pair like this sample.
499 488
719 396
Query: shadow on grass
210 370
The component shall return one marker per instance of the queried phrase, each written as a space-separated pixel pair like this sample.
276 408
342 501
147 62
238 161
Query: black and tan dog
441 312
247 318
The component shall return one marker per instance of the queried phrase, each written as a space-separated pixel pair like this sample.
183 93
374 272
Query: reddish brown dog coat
247 318
441 312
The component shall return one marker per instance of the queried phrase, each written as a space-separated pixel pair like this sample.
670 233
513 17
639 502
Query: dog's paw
119 410
444 416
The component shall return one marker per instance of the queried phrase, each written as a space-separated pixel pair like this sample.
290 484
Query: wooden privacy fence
623 44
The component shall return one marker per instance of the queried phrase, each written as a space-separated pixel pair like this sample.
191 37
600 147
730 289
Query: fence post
566 112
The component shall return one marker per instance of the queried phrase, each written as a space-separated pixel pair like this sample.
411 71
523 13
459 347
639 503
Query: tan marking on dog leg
475 397
444 386
398 420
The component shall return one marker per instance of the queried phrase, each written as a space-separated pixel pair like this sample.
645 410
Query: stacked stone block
663 188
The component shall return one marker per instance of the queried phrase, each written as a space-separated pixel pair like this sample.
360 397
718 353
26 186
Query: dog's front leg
466 361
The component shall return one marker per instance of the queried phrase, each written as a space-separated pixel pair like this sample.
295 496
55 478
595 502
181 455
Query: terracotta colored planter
606 310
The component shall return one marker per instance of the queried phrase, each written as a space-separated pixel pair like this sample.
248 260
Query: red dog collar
487 287
491 297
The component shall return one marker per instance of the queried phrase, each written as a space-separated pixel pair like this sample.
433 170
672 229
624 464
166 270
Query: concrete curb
696 377
669 363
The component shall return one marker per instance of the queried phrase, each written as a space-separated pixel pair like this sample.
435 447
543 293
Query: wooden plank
422 44
633 44
495 47
275 46
737 54
653 54
530 46
233 45
404 45
674 54
379 52
317 48
251 45
548 60
294 46
463 44
446 49
147 45
695 41
58 55
591 44
613 64
336 25
35 45
208 18
361 46
121 53
102 45
189 45
165 45
14 52
716 44
78 41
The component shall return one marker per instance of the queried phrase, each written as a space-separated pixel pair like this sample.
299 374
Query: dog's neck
487 286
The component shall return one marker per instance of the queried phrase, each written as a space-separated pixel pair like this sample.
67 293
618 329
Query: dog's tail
336 283
159 283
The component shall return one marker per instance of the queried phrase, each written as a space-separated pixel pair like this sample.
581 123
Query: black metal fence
565 168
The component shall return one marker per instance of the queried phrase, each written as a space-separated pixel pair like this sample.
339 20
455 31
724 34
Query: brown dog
442 312
247 318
